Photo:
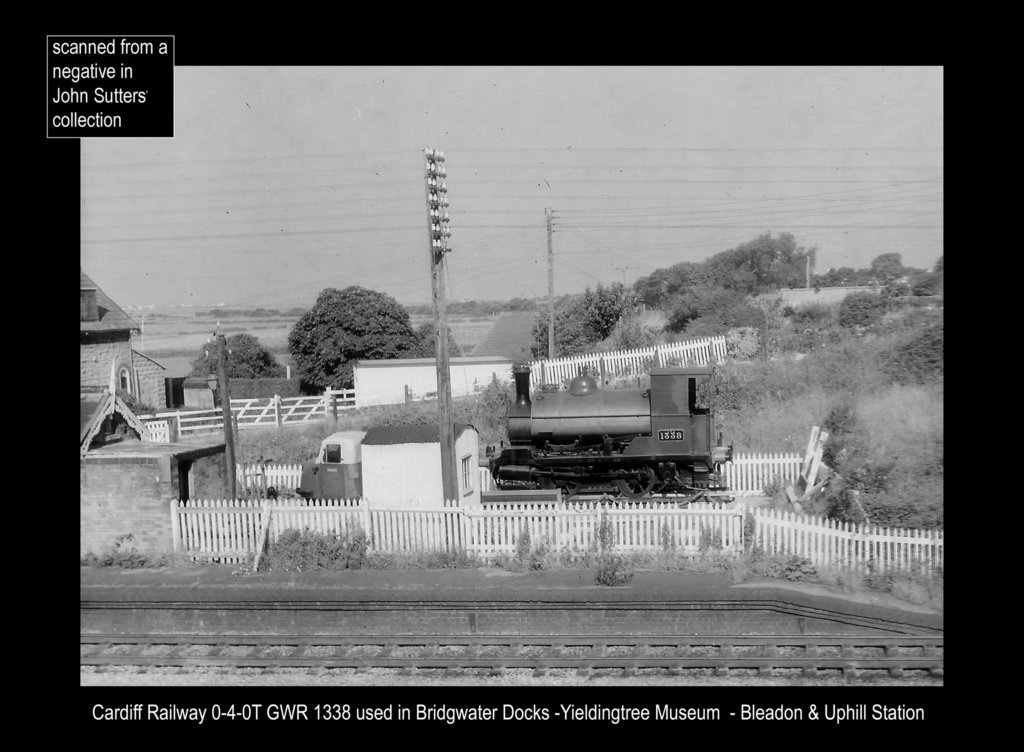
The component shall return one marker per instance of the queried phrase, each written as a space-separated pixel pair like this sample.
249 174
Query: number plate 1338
673 434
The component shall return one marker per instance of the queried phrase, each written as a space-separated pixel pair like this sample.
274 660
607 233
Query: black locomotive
634 442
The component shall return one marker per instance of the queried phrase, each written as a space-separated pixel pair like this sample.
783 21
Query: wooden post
175 527
603 371
437 254
277 409
225 406
551 289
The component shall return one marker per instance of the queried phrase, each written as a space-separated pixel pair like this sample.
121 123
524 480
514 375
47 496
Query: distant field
175 339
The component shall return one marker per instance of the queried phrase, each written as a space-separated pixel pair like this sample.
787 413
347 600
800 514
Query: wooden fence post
277 409
175 527
261 543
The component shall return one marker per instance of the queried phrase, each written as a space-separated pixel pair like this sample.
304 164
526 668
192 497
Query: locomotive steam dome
582 385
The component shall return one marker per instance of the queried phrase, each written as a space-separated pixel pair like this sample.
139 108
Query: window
124 381
467 474
332 453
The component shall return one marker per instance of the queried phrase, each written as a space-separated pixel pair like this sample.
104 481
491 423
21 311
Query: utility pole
437 245
225 407
551 289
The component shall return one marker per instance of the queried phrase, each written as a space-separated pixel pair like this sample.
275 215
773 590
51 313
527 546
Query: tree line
696 299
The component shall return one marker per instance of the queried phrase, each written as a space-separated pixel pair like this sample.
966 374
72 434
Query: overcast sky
280 182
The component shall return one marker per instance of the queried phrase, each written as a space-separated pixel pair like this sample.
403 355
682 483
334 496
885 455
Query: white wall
408 476
383 382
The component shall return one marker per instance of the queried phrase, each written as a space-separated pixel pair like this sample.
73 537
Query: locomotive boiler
627 441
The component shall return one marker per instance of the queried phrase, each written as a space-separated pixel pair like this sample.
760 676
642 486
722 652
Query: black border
66 698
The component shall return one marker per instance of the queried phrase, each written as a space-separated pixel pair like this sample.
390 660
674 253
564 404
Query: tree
427 347
348 325
584 320
247 359
887 267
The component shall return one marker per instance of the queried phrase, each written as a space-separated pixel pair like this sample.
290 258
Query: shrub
789 567
665 536
929 283
918 359
126 555
743 342
605 534
299 551
862 309
613 569
523 545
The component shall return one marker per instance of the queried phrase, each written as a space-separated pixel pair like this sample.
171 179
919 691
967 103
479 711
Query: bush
300 551
791 567
918 359
126 555
613 570
743 343
862 309
929 283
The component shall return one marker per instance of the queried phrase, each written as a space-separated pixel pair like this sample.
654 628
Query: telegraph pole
225 407
551 289
437 244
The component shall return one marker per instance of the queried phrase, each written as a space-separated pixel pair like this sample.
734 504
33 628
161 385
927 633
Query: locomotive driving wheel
638 484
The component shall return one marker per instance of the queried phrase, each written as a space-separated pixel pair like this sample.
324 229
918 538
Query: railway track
811 655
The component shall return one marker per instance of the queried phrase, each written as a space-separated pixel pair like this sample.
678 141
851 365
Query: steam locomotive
629 442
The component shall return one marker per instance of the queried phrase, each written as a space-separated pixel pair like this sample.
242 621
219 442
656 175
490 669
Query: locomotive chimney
522 377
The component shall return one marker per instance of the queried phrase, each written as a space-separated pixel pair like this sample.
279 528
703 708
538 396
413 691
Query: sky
280 182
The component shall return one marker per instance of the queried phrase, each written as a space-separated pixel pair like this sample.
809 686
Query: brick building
127 483
106 341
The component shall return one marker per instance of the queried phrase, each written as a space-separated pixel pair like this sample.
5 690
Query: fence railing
260 412
702 351
230 531
846 545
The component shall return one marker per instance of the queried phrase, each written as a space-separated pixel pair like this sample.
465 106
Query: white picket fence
828 542
751 474
254 413
702 351
230 531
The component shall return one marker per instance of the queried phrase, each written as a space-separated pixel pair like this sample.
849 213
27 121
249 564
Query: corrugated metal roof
111 317
429 434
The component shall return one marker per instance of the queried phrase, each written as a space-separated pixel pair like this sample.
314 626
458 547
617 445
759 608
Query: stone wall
97 350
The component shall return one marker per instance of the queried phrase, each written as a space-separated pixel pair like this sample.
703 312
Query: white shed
402 466
389 382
